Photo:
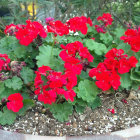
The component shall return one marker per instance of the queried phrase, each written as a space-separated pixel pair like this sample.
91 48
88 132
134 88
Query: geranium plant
65 65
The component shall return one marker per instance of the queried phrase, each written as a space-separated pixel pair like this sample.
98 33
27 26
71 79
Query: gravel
39 121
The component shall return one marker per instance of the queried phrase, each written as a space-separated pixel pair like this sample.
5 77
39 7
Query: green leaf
61 111
96 103
97 60
47 56
84 75
125 80
27 75
10 45
80 105
14 83
7 117
118 33
135 85
6 92
79 109
7 45
106 38
2 88
87 90
124 47
20 51
73 39
27 104
135 75
61 39
49 38
98 48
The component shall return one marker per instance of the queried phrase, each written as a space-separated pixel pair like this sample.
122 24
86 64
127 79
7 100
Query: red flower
76 69
10 29
79 24
48 97
29 32
123 100
112 111
4 62
100 29
70 94
55 83
68 58
132 37
42 70
15 102
106 18
115 53
58 27
93 38
106 72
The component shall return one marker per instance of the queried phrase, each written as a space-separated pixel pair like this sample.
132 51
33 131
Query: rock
36 114
43 110
88 128
82 117
132 95
61 134
74 125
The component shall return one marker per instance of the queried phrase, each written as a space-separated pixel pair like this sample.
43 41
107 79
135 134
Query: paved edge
128 134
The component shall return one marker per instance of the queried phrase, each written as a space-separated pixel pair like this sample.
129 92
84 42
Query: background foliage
18 11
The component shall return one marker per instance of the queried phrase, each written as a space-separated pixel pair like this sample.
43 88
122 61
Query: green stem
52 47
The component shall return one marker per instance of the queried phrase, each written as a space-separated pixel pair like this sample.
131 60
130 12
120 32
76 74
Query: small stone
139 96
61 134
36 118
56 132
74 125
44 110
36 114
132 95
139 119
88 128
82 117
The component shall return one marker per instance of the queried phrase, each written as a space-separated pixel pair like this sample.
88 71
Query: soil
39 121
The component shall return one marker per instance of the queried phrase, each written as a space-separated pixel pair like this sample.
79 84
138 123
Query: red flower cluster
58 27
106 18
74 55
4 61
132 37
106 72
54 85
72 50
15 102
26 33
79 24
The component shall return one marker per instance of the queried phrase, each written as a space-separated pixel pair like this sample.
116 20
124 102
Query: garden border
128 134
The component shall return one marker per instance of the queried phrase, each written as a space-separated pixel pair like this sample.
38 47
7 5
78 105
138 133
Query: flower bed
66 66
